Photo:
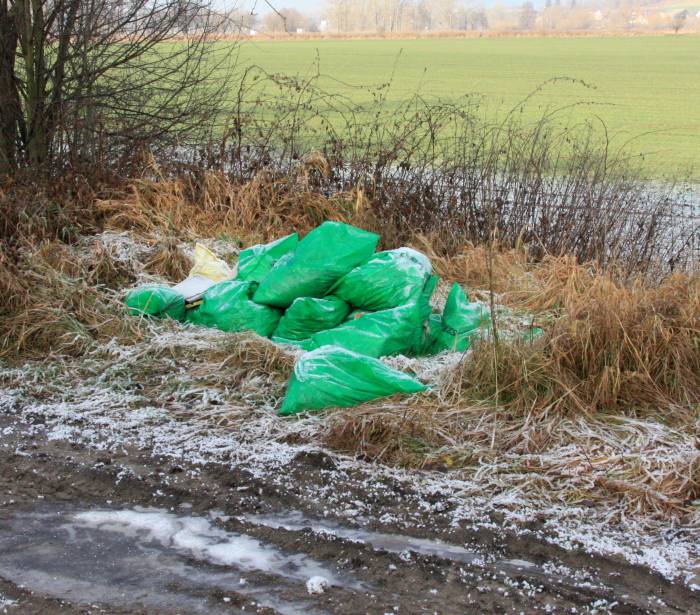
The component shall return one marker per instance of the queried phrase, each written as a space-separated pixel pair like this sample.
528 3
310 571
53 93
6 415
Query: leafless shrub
442 170
88 83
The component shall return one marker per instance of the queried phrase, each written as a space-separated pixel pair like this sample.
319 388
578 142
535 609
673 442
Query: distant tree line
404 15
396 16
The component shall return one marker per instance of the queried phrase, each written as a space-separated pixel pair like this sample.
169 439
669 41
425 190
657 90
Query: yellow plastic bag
210 266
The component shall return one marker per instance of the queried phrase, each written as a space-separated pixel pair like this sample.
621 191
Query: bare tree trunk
11 115
32 42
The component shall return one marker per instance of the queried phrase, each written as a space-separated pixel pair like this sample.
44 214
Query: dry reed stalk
510 270
630 348
256 355
258 210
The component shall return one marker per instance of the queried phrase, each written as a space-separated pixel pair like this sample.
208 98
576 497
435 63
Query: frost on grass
7 603
192 394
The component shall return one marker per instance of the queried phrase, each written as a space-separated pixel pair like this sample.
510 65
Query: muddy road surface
87 529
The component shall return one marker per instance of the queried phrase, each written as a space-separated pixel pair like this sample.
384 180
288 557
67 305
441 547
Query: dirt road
377 545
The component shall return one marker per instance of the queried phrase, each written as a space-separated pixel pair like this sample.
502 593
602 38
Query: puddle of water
517 563
394 543
399 543
149 557
198 538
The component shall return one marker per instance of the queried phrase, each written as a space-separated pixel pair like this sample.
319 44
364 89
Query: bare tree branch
76 72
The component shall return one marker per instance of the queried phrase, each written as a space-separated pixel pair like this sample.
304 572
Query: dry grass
169 261
628 348
258 210
623 463
55 300
512 270
256 356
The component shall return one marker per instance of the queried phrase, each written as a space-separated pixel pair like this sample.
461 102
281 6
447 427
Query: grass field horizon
645 90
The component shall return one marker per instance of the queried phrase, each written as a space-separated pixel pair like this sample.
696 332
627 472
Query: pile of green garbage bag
334 297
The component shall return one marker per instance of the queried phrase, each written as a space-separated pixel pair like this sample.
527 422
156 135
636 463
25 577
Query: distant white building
252 32
300 30
323 26
598 15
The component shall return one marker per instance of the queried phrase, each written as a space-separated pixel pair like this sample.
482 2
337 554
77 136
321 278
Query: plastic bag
256 262
385 281
158 301
332 376
210 266
384 333
431 330
532 334
324 256
228 306
308 315
461 321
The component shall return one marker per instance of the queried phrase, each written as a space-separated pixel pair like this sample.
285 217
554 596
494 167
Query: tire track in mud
474 570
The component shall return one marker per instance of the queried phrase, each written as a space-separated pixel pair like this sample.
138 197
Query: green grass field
644 88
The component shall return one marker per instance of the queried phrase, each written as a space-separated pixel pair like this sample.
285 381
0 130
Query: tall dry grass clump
58 299
611 347
210 204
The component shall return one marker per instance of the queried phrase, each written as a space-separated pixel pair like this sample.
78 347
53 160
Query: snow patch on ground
317 585
6 603
199 538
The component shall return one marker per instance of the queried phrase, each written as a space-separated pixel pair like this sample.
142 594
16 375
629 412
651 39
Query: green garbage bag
385 281
308 315
256 262
332 376
431 330
228 306
154 300
324 256
386 332
532 334
461 321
